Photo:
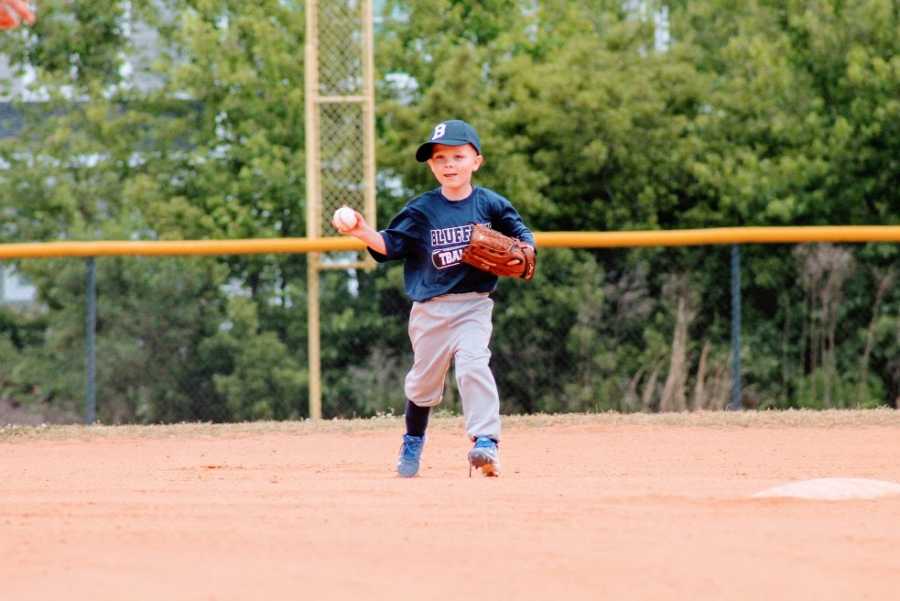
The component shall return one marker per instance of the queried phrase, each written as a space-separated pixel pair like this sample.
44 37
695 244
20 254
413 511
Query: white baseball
345 218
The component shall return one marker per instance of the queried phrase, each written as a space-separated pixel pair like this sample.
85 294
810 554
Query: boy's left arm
509 222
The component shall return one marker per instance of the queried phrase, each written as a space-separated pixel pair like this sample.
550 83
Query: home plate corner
832 489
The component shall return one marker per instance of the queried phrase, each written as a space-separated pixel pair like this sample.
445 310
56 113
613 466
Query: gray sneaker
485 456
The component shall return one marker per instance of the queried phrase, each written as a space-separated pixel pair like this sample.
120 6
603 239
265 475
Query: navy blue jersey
431 232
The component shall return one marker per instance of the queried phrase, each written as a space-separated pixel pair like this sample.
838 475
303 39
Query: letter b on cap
439 131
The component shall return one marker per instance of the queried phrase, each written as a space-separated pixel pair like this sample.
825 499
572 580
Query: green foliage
263 381
810 389
755 113
22 333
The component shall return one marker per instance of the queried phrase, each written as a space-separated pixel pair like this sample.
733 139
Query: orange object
13 12
642 506
693 237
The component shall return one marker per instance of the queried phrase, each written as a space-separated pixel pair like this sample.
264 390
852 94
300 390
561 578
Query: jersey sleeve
507 220
399 236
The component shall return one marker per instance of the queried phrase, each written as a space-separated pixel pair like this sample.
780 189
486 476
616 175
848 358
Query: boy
451 313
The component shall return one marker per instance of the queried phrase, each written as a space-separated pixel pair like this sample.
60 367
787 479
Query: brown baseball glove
496 253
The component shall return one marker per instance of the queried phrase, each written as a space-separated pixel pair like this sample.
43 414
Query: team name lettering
447 258
451 235
447 245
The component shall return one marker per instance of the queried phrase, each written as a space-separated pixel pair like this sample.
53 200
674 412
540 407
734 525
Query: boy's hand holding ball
351 222
344 219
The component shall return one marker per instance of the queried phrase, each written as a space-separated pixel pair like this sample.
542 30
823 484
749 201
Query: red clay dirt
585 509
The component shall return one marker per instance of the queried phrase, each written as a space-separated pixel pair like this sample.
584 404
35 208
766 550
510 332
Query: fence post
90 338
735 403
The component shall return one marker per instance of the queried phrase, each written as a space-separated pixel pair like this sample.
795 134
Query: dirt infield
588 507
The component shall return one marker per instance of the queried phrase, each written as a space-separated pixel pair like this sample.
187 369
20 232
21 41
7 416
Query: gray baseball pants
455 327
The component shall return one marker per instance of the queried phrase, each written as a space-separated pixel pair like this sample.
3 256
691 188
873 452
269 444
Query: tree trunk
699 400
885 282
632 401
673 396
649 390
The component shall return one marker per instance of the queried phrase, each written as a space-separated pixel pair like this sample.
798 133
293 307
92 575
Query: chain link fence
181 339
342 170
342 100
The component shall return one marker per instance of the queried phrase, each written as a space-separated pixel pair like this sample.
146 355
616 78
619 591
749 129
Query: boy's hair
449 133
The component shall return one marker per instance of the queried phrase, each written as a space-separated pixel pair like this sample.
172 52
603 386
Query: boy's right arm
365 232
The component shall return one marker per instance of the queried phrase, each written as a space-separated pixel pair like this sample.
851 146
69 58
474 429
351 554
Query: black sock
416 419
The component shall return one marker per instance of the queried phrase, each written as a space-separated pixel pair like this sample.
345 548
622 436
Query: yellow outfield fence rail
725 235
605 360
688 237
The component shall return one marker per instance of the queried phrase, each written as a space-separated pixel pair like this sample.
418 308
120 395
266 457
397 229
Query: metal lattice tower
340 140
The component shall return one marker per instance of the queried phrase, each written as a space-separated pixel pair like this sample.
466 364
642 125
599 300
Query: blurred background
166 120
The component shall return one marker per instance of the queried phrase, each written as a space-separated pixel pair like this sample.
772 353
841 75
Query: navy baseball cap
449 133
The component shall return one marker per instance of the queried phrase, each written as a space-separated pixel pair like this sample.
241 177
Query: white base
833 489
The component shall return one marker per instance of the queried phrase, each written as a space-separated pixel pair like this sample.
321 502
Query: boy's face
453 166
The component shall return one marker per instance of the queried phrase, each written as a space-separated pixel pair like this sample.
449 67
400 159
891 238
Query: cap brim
424 151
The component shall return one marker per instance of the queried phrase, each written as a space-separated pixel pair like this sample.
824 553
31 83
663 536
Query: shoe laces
412 446
485 443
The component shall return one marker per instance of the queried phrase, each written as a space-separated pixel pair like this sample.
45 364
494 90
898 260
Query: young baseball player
451 313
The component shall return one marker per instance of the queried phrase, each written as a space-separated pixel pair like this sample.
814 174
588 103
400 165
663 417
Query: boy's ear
479 161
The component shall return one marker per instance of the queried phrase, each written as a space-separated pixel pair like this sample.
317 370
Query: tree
757 113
